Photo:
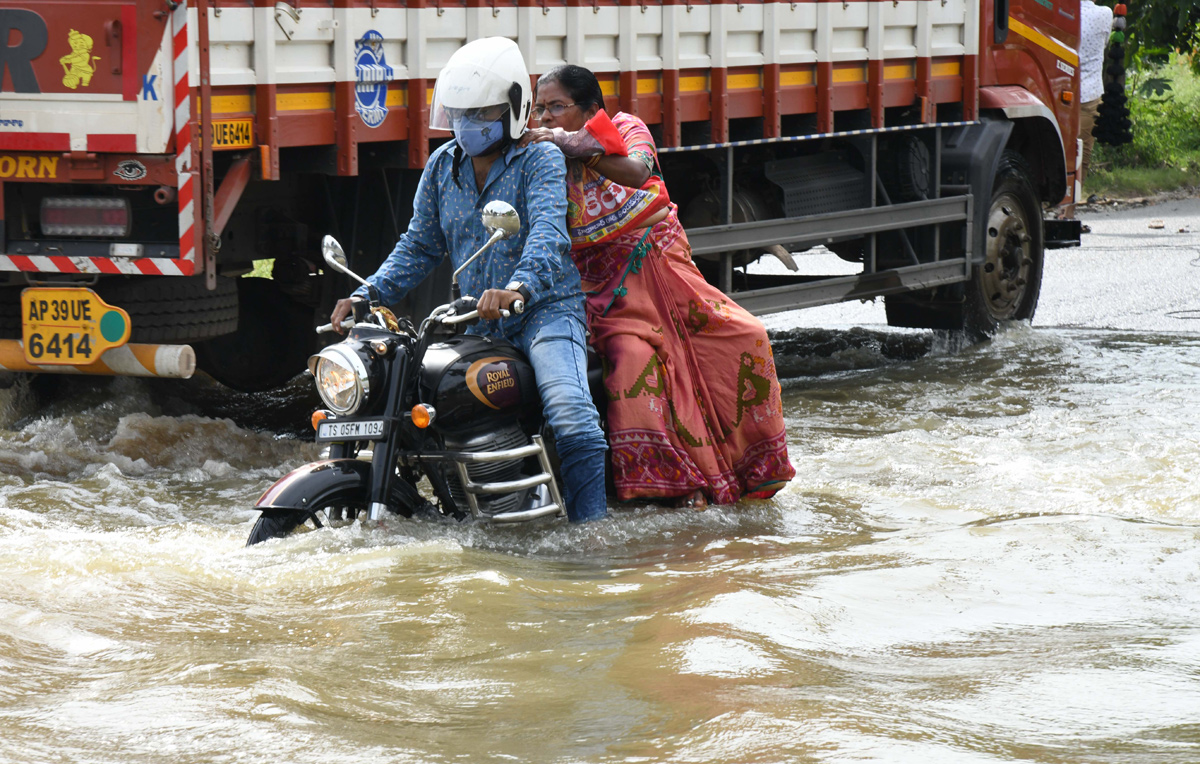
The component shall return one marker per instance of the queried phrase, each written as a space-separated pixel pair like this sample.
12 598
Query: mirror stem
496 236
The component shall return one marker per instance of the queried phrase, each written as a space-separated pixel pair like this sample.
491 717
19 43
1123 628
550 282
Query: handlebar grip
517 306
349 323
469 317
451 320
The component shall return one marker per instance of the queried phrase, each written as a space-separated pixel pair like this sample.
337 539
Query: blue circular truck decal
373 74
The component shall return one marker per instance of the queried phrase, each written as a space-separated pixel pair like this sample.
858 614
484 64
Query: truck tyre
1006 285
273 340
164 309
10 313
1007 276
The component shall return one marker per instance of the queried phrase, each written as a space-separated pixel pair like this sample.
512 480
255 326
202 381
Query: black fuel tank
470 379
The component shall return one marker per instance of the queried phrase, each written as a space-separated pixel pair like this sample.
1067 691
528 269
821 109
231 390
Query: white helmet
482 73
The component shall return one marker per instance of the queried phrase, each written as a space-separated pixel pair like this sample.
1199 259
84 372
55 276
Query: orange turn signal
320 415
1067 96
422 415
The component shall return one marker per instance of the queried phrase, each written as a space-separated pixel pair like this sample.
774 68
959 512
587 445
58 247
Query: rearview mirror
334 254
501 216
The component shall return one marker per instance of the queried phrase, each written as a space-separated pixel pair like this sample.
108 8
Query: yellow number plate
233 133
69 326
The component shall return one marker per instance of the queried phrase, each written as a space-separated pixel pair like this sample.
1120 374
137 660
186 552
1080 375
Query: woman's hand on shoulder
536 135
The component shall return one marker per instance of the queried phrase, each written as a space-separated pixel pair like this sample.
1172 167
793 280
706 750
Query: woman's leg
732 352
656 435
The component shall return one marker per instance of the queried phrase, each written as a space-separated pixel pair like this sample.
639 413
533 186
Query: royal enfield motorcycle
406 407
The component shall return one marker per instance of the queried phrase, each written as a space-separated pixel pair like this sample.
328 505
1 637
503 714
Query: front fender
331 482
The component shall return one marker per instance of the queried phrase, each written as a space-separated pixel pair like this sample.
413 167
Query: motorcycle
406 405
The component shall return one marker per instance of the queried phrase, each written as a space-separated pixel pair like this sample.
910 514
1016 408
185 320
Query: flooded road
989 554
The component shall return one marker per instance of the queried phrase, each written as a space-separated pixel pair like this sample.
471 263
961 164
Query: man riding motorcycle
483 95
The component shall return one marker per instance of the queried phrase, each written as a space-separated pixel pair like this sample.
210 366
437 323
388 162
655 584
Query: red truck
152 150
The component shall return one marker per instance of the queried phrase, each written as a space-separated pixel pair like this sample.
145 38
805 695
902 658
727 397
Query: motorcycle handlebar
349 323
472 316
517 306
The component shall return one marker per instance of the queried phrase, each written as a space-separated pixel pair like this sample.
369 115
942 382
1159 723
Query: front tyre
278 523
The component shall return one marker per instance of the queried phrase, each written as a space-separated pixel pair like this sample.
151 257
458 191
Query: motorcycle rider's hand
493 301
341 311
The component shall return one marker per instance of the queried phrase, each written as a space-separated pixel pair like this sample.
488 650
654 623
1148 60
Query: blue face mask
478 138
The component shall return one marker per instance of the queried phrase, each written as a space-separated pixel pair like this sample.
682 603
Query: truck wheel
173 309
1006 285
162 309
273 340
10 313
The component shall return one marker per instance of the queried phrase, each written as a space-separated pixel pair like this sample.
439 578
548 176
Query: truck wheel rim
1007 261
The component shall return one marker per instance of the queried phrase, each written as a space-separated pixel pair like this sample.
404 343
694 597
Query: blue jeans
558 353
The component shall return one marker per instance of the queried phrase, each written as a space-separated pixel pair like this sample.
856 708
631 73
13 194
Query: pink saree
693 399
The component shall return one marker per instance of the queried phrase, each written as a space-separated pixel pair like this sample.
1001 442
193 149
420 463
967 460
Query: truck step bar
793 292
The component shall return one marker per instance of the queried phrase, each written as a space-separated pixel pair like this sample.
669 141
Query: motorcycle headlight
341 377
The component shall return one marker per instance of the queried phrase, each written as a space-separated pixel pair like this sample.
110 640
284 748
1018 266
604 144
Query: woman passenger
694 411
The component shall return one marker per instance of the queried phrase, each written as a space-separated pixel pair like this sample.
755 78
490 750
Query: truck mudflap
970 158
1061 234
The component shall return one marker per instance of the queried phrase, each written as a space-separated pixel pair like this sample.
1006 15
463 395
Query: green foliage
1158 27
1132 182
1155 86
1165 152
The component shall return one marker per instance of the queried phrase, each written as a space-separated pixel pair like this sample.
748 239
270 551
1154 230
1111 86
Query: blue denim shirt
446 221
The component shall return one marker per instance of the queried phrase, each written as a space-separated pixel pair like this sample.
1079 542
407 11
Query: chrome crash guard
552 503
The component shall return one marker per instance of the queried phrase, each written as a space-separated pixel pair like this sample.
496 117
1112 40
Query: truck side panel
704 73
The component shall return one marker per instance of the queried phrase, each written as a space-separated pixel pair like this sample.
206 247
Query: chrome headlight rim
347 358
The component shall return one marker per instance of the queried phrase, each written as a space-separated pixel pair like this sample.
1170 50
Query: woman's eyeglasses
555 109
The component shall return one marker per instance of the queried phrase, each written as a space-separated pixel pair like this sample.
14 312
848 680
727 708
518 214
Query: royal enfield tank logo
78 65
130 169
493 380
373 74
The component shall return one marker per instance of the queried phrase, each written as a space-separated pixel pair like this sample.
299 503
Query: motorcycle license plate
359 429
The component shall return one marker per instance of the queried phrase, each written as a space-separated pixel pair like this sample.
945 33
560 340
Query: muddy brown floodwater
989 554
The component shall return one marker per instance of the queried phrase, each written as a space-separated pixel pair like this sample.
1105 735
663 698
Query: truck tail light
85 216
